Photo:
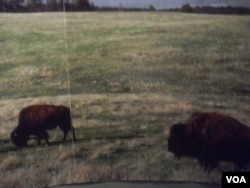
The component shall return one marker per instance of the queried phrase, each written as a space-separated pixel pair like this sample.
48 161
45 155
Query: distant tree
11 5
120 8
79 5
186 8
13 2
83 5
51 5
92 5
35 5
151 8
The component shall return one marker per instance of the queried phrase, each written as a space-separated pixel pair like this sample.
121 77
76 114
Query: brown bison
211 137
36 119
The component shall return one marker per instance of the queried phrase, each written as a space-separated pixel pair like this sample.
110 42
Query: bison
211 138
36 119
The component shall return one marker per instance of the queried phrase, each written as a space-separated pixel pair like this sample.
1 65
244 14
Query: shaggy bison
211 138
36 119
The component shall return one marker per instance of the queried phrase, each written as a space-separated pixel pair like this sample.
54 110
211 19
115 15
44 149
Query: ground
127 77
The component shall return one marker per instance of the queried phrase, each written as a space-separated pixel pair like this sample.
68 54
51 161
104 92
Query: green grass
131 76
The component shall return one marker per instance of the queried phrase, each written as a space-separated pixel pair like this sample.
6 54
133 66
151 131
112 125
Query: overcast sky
170 3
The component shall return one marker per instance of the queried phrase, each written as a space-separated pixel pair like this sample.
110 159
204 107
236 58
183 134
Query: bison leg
65 131
73 133
208 163
42 134
64 136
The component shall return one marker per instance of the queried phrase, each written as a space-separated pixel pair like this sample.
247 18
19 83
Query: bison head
177 140
17 138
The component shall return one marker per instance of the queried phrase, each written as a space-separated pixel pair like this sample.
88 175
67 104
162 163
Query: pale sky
169 3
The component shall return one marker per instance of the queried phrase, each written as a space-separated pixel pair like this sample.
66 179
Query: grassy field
127 78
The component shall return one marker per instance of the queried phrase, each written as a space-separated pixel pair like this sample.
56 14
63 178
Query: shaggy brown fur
36 119
211 137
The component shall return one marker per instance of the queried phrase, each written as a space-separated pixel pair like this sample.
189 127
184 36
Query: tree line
86 5
51 5
215 10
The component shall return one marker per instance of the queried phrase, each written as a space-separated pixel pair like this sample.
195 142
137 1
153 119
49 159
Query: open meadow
127 77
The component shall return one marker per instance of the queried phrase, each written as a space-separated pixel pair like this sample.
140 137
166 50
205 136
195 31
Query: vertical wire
68 76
